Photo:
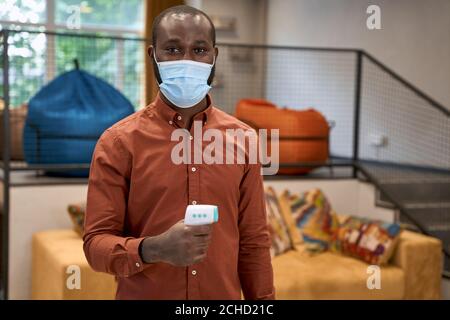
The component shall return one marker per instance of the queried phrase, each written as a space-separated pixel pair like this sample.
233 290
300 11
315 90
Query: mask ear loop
212 67
154 56
159 81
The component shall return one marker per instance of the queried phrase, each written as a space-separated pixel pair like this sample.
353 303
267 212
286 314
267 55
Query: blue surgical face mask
184 82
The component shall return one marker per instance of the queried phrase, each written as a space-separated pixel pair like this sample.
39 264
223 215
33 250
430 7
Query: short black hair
182 9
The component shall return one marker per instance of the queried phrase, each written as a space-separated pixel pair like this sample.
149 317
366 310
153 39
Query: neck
187 113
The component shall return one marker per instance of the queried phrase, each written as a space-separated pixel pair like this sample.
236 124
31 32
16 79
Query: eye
200 50
172 50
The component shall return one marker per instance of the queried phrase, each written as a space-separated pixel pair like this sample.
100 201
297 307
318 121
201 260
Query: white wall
250 18
414 40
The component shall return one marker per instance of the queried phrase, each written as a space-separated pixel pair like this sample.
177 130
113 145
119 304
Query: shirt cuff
135 260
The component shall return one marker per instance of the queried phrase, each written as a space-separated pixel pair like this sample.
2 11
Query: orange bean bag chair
304 134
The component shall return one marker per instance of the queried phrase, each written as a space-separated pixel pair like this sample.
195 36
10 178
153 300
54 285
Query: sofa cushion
371 241
314 218
300 275
76 213
278 228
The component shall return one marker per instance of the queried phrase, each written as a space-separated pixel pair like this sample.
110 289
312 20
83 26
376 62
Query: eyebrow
172 40
178 40
199 42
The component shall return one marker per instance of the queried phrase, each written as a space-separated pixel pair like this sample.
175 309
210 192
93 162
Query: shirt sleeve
105 247
255 267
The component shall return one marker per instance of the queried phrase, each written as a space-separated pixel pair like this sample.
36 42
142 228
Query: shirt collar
171 116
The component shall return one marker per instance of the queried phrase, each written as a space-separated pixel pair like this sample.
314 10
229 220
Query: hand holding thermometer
201 214
186 242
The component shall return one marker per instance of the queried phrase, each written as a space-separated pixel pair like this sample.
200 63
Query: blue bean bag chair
66 118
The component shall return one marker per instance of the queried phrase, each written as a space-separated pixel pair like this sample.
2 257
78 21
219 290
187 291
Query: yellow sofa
54 254
414 272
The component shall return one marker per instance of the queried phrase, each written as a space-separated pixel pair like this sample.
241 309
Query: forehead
184 27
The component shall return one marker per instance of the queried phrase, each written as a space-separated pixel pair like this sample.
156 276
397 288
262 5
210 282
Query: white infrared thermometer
201 214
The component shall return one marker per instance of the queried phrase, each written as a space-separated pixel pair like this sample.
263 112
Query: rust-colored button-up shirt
135 190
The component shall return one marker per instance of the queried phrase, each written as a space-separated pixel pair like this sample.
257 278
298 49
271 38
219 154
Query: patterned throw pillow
76 212
279 233
368 240
314 218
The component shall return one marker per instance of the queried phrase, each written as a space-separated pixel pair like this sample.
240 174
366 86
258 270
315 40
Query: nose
188 56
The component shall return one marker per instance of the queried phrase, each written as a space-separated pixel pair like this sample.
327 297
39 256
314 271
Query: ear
216 52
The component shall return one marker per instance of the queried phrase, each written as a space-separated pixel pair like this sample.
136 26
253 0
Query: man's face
183 37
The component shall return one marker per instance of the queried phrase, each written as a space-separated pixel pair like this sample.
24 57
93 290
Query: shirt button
137 264
194 202
194 272
179 117
194 169
191 137
170 121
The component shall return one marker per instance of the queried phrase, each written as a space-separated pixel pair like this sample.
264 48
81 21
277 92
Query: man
137 195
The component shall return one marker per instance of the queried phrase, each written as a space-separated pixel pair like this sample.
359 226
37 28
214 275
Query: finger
201 230
201 236
199 258
197 246
204 239
201 248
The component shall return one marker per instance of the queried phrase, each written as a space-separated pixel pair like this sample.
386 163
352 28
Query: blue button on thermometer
201 214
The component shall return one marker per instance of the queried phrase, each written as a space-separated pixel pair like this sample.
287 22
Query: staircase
424 196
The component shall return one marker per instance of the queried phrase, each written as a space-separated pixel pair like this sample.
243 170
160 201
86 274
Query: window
118 16
114 14
36 58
